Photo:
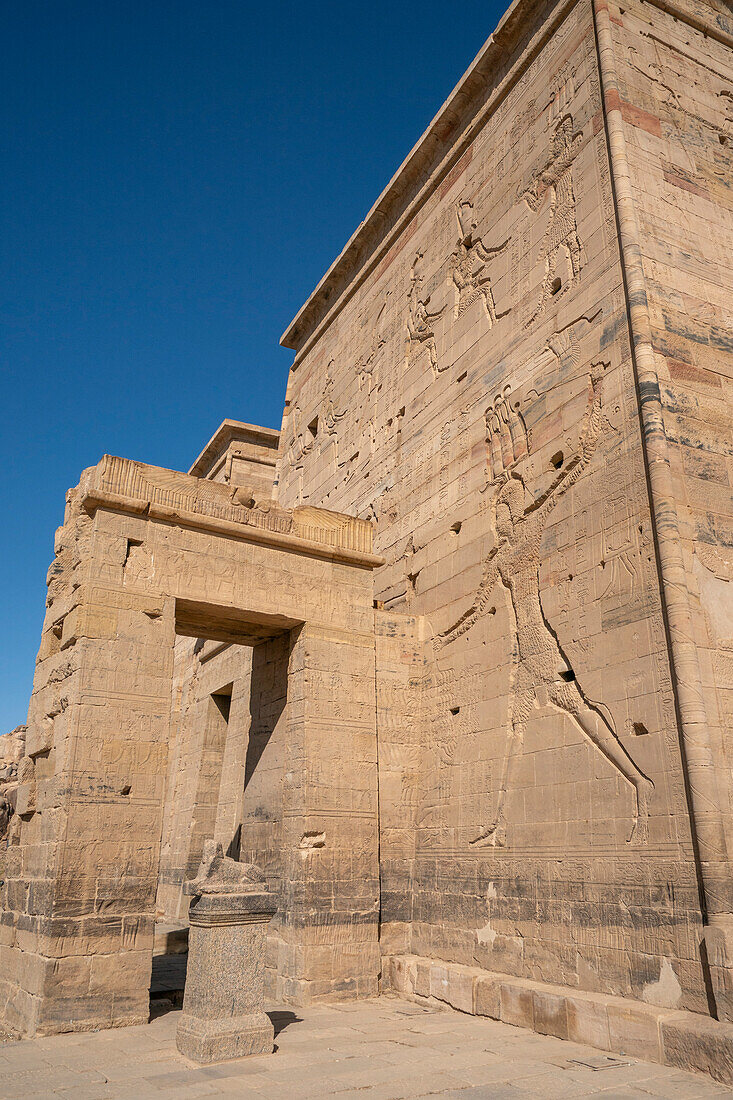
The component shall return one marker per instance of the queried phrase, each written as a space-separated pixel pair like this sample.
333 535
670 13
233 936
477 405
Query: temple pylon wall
470 375
449 657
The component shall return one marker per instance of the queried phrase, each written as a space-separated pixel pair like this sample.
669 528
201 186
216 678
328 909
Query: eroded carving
542 672
675 88
726 131
469 266
301 439
331 415
507 439
12 754
365 364
563 94
420 321
218 874
556 179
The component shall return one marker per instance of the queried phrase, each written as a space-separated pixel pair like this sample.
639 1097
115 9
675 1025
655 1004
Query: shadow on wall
167 982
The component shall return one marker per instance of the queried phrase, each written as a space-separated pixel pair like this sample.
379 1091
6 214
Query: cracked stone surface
382 1049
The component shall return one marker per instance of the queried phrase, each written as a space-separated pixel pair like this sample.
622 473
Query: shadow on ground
281 1019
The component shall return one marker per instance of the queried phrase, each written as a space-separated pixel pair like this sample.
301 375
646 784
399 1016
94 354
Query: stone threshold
683 1040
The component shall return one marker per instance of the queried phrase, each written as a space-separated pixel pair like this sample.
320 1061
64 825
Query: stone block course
448 656
684 1040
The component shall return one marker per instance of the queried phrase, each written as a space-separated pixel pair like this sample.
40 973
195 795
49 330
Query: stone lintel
121 485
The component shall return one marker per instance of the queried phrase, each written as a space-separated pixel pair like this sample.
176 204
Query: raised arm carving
595 426
469 617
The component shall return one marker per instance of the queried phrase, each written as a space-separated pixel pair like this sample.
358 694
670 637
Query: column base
207 1041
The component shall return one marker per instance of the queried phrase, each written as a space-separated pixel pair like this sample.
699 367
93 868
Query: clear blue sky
177 176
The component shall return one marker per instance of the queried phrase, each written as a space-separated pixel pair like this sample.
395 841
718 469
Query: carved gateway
482 722
147 556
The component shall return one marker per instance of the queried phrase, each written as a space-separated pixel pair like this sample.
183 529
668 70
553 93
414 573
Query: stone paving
384 1049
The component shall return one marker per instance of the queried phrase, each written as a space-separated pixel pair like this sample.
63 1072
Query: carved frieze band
179 492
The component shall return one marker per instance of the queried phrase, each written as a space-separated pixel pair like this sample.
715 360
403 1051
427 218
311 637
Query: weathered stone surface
459 658
685 1040
695 1043
223 1003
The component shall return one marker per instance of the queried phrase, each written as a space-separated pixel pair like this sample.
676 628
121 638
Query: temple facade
450 656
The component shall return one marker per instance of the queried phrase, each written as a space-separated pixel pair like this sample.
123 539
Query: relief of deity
555 179
420 330
469 267
542 672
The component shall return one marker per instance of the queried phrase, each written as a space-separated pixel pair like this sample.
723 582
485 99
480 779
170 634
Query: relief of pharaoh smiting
540 673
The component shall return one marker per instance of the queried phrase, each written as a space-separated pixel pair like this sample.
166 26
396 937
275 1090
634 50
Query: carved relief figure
542 671
683 95
303 438
451 725
301 441
507 440
469 269
420 331
726 133
556 179
329 412
365 364
563 93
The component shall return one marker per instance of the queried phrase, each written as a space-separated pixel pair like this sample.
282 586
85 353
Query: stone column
223 1014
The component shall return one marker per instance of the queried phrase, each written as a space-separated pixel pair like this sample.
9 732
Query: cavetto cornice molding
234 431
478 94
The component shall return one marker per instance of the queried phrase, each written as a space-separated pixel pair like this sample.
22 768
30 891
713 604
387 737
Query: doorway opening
225 766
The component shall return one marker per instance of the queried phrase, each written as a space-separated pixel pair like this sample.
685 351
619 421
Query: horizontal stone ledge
684 1040
138 506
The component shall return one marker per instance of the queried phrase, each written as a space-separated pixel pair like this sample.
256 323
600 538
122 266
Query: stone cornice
122 485
94 499
475 98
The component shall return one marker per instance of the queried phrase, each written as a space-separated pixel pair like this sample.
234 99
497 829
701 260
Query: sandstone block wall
507 750
469 376
674 88
146 555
